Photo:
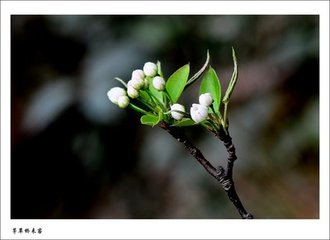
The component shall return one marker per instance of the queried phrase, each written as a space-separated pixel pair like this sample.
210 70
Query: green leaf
177 82
150 120
233 80
185 122
211 84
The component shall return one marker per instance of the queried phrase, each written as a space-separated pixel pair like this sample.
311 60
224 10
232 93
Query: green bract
155 104
233 80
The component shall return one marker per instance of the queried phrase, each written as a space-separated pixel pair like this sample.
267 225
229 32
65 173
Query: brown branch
220 174
230 188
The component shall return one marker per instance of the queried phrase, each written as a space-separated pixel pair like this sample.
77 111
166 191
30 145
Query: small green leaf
150 120
185 122
211 84
233 80
177 82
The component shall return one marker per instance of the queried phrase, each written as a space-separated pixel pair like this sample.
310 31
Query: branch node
194 152
220 171
226 184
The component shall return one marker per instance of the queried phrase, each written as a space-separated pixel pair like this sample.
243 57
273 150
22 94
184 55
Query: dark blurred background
76 155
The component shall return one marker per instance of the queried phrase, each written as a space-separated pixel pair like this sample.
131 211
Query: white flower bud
205 99
158 83
132 92
150 69
138 73
115 93
123 101
198 112
177 107
136 83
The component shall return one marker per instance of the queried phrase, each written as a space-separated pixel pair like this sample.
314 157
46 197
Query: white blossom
138 73
115 93
123 101
198 112
177 115
136 83
205 99
158 83
132 92
150 69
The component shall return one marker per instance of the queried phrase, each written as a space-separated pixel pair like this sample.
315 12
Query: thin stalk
138 109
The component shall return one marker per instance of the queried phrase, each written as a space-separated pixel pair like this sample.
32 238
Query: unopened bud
177 115
115 93
206 99
198 112
132 92
123 101
136 83
138 73
158 83
150 69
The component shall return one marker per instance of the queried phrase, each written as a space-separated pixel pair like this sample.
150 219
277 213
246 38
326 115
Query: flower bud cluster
199 112
138 81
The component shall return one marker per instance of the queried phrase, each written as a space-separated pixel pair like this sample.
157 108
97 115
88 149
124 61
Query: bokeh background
76 155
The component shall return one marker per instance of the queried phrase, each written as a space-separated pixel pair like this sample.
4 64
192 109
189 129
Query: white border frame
167 229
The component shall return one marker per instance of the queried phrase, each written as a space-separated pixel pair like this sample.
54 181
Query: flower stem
138 109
